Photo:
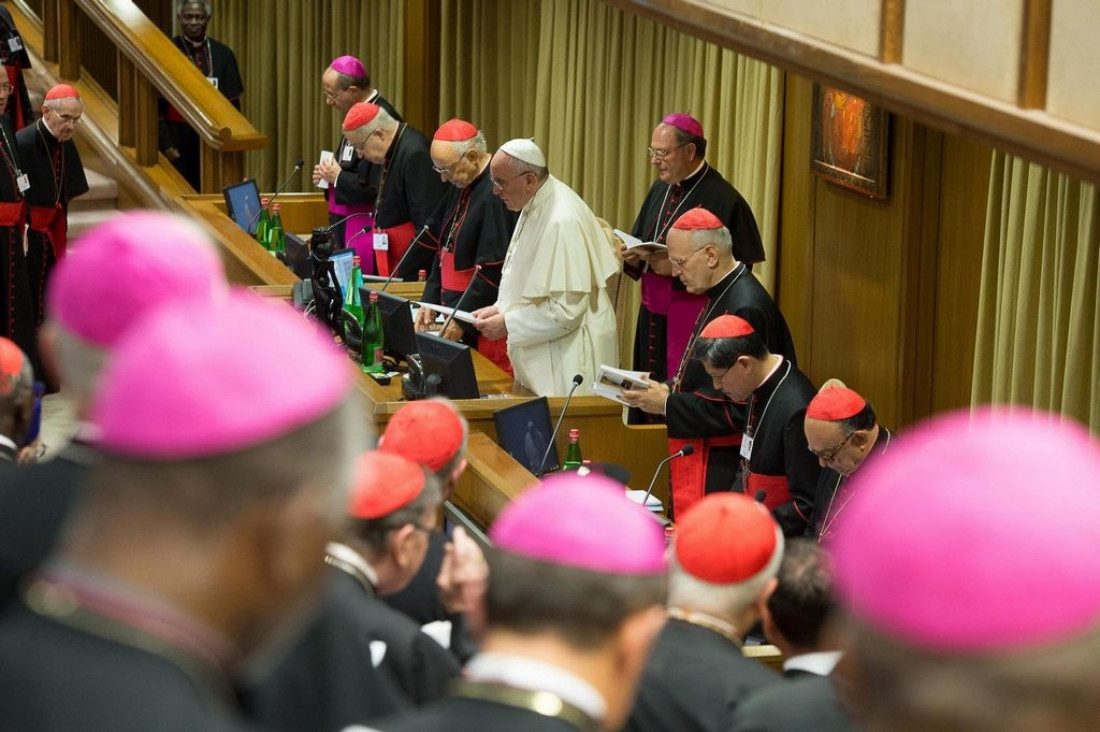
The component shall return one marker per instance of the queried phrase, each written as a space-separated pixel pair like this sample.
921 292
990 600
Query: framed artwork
849 141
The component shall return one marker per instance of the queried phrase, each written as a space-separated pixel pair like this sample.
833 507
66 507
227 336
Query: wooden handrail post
127 122
49 30
68 38
220 168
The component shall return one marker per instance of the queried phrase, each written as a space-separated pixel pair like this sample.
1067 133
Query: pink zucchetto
207 377
603 531
125 267
348 66
952 545
684 122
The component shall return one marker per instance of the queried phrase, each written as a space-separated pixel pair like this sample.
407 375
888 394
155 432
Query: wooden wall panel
1072 89
852 24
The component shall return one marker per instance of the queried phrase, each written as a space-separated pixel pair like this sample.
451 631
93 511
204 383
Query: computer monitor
297 256
397 322
449 362
242 202
524 432
341 265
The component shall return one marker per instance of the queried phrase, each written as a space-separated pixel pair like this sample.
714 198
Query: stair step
81 221
102 191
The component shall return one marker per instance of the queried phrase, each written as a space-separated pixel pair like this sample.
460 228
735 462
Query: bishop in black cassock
685 181
17 314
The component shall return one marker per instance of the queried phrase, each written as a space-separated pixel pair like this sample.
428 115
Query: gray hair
55 104
521 167
381 121
477 142
720 239
690 592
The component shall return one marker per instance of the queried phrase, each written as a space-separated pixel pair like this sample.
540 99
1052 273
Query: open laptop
524 431
242 202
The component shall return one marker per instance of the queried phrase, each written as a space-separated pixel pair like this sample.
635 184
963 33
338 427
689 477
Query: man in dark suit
118 272
795 619
727 551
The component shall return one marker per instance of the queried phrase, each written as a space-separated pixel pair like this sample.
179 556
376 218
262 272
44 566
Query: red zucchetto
455 130
696 219
727 538
360 114
62 91
835 403
384 482
727 326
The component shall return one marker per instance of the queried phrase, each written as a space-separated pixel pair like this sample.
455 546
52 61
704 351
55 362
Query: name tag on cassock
746 447
347 154
213 80
381 242
15 44
23 182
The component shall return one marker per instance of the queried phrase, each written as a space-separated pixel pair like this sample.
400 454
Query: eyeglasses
449 170
655 154
498 185
331 96
68 119
717 379
828 455
679 263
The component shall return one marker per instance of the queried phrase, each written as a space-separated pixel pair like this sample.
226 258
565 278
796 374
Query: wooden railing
150 64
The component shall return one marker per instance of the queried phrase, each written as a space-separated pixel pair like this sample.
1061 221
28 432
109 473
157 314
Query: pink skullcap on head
727 326
121 269
384 483
951 543
684 122
62 91
11 364
206 377
455 130
727 538
836 402
360 114
696 219
348 66
428 432
602 530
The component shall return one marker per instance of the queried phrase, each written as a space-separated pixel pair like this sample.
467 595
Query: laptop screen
524 431
242 202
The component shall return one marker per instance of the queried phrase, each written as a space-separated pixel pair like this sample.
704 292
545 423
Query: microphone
760 495
577 380
455 309
684 451
297 166
328 229
412 245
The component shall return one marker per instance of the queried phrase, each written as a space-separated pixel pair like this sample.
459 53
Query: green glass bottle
374 340
573 451
276 242
263 223
353 303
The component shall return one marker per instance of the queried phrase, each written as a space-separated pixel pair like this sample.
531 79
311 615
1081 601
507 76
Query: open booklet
634 245
610 382
463 315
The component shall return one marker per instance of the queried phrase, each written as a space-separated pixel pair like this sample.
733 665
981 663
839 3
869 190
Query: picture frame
850 141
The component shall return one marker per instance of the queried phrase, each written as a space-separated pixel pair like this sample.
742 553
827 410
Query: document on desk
611 381
325 155
463 315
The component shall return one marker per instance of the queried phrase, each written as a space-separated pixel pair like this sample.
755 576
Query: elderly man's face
692 265
64 119
514 189
458 170
193 21
369 147
339 99
835 449
673 160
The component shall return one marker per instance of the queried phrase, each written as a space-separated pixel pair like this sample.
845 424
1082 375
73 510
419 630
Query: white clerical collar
7 442
532 675
372 97
821 663
346 554
694 172
778 363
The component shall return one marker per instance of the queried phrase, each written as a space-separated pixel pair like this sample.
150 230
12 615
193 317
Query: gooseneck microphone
685 450
328 229
297 166
412 245
578 379
458 305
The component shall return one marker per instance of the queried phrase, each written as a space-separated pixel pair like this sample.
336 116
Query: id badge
381 242
23 182
746 447
213 80
347 153
15 44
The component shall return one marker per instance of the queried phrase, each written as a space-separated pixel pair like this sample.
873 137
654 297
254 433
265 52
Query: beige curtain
283 47
590 82
1038 340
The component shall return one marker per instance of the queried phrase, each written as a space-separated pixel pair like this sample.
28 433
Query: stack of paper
634 245
610 382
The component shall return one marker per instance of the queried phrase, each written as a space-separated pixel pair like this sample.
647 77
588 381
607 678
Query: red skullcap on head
684 122
62 91
696 219
835 403
348 66
428 432
455 130
360 114
384 482
11 364
726 538
727 326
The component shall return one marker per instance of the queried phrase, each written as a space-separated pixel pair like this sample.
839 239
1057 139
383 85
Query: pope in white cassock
553 304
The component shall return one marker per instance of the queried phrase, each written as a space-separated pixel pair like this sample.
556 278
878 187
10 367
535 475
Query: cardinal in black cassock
17 315
14 57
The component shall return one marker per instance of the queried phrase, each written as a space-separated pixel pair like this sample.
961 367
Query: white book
611 381
325 155
463 315
634 245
